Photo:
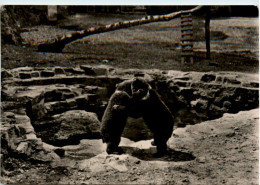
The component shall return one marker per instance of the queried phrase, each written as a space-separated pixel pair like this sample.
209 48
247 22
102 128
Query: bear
136 88
158 119
136 98
114 120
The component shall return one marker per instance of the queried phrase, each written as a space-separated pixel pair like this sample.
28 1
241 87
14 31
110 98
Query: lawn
234 45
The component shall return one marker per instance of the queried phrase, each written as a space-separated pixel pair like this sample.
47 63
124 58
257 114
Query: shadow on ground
147 154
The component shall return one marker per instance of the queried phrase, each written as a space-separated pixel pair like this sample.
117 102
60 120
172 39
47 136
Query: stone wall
62 105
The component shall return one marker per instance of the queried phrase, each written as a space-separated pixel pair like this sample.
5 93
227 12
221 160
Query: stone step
101 81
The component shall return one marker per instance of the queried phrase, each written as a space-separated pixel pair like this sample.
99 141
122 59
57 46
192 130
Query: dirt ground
222 151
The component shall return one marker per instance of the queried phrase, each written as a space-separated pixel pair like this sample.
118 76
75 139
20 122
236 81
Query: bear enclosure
52 103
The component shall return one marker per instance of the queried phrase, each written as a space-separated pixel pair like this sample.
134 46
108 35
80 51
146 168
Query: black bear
114 120
136 98
159 120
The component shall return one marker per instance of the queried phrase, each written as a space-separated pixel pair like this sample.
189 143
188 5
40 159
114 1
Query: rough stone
230 80
59 70
200 104
35 74
5 74
219 80
82 101
187 93
24 122
209 93
25 75
56 107
185 78
60 152
75 123
254 84
227 105
100 70
88 69
47 73
22 148
72 103
78 71
53 95
182 83
99 91
66 95
208 78
215 109
38 110
251 84
31 136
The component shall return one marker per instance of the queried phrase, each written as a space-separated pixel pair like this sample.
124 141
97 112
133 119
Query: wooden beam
207 32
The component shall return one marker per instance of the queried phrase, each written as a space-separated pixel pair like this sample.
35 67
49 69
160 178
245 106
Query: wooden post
52 12
207 32
186 38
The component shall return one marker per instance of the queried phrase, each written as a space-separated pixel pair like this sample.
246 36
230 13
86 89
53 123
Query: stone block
25 75
196 85
229 80
56 107
31 136
53 95
5 74
76 123
47 73
72 103
35 74
60 152
59 70
219 80
227 105
199 104
67 95
92 98
182 83
88 70
209 93
208 78
22 148
100 70
82 102
251 85
185 78
254 84
78 71
215 109
187 93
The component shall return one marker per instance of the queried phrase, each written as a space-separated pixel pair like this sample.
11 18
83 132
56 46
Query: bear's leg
161 145
112 148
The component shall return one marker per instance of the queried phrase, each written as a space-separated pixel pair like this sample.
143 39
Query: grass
234 45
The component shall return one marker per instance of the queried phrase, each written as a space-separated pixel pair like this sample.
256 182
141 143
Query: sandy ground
221 151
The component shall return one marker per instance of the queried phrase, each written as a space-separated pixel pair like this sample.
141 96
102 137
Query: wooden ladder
186 38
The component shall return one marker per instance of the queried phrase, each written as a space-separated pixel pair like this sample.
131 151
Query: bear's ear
135 80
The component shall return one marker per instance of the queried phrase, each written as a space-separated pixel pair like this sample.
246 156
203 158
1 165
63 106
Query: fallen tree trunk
58 45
